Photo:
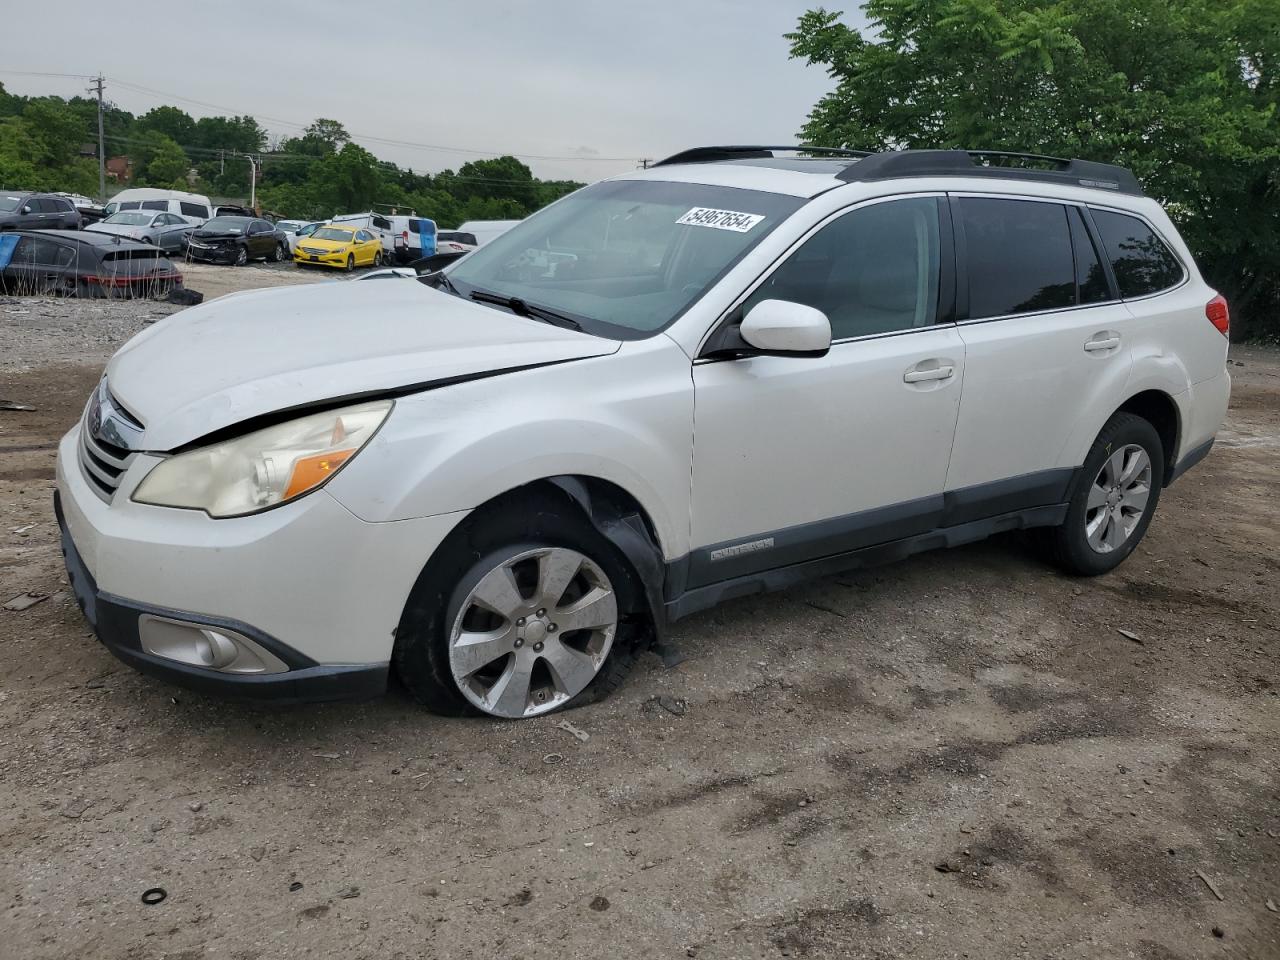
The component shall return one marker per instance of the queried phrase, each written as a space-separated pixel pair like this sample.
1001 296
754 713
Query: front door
1046 346
797 458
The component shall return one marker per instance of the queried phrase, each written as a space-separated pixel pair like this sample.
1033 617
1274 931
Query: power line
218 152
388 141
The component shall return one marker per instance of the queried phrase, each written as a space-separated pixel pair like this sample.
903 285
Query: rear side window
1141 261
1020 256
381 224
130 205
193 210
44 252
155 205
873 270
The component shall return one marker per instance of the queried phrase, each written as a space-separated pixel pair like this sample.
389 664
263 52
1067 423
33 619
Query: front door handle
918 375
1102 343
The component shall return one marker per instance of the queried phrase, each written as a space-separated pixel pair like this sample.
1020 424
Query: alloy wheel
533 632
1118 498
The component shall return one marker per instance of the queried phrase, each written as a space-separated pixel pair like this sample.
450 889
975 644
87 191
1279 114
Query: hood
204 234
324 244
117 229
249 354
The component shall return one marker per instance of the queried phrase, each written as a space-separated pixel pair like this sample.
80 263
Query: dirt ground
956 756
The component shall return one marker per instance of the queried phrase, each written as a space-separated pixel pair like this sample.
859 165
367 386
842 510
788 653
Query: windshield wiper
525 309
440 280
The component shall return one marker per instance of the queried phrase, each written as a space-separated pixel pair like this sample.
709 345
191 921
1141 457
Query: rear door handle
1105 343
916 375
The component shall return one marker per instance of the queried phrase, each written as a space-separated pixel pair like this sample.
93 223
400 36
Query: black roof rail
991 163
712 154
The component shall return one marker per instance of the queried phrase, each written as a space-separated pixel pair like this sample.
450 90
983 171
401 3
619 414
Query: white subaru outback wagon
740 368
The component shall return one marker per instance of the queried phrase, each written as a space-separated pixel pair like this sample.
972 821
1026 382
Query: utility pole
102 158
253 183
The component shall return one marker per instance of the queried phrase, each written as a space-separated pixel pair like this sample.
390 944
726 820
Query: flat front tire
521 613
1113 499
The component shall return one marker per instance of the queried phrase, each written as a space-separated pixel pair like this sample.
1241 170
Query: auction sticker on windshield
721 219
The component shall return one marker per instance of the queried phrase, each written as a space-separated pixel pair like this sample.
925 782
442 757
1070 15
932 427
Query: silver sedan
167 231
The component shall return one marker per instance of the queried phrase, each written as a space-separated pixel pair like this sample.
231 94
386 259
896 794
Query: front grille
104 462
313 250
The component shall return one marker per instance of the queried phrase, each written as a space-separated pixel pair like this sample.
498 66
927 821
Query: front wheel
527 616
242 257
351 262
1113 500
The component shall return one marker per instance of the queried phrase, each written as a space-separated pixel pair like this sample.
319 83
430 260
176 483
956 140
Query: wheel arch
1160 410
612 511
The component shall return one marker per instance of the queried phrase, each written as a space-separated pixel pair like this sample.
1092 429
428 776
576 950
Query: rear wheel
377 259
524 614
277 253
1114 498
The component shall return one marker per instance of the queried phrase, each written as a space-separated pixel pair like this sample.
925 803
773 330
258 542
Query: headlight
266 467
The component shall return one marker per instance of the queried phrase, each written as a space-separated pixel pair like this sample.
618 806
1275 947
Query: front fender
626 418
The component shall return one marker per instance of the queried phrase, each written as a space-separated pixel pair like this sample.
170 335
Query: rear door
797 458
1046 348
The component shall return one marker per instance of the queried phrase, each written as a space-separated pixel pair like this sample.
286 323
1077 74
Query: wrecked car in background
83 264
237 240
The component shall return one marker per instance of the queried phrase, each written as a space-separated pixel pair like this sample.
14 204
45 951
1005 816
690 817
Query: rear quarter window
155 205
194 210
1141 261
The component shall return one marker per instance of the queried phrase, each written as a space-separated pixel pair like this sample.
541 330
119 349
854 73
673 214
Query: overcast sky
556 78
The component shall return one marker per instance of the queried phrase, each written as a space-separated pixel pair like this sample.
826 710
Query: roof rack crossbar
973 163
745 152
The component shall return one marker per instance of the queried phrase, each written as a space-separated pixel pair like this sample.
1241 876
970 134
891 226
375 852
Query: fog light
201 645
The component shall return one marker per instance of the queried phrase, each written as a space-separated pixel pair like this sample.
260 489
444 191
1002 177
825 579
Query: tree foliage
315 175
1184 92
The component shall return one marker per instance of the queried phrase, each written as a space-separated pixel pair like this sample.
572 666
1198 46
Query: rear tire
1112 500
530 534
277 253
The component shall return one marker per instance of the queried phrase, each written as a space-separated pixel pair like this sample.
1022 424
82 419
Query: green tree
348 180
1184 92
168 166
175 124
503 178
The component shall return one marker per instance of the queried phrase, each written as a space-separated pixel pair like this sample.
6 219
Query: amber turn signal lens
309 471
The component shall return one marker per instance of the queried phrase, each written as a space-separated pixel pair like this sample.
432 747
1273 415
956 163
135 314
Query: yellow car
334 245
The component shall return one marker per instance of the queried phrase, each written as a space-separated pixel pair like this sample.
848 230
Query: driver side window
873 270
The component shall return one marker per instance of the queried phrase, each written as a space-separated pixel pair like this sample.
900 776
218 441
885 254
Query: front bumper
115 622
308 581
338 260
213 254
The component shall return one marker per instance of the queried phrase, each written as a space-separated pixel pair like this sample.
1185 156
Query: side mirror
26 210
783 327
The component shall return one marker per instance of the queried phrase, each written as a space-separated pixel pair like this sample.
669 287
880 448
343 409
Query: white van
415 238
194 207
486 230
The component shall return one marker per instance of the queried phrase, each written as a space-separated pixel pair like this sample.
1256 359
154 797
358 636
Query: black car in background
237 240
79 263
37 211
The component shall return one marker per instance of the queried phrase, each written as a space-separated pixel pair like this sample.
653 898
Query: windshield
626 257
330 233
134 219
224 225
9 204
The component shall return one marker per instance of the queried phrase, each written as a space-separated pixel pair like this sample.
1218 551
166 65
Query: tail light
404 234
1219 314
